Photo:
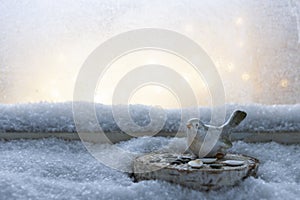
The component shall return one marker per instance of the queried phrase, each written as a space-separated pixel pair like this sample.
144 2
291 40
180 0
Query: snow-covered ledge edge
280 137
280 123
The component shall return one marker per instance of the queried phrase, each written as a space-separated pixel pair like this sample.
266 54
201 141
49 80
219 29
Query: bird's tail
234 120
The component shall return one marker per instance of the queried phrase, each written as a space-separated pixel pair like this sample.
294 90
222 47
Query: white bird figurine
216 141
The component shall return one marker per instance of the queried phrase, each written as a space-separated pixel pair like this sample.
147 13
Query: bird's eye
197 125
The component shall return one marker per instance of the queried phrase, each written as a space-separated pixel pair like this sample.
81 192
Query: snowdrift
58 117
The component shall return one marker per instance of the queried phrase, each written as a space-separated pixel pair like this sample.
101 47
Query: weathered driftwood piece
167 167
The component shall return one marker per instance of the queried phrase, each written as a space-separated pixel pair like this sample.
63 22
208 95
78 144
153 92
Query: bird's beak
189 126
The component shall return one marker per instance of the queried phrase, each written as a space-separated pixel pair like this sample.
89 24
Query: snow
58 117
57 169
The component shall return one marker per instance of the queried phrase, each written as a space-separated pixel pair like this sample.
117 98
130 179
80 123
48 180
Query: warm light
151 61
156 96
74 78
230 67
151 95
54 82
61 58
55 93
241 44
158 89
245 77
239 21
284 83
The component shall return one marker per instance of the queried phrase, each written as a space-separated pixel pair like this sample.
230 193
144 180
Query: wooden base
158 166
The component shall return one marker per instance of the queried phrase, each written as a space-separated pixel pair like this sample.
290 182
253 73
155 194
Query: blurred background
255 46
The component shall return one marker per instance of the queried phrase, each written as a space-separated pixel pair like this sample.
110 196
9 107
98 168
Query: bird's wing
202 125
226 143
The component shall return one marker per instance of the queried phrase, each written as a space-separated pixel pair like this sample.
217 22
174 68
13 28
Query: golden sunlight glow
52 86
61 58
230 67
245 77
55 81
154 95
151 94
55 94
284 83
239 21
241 43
